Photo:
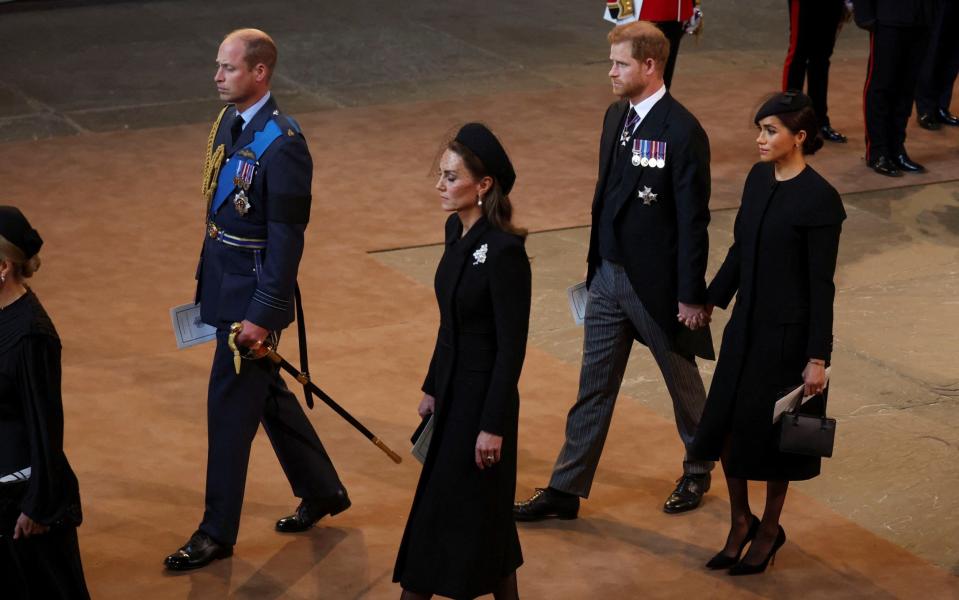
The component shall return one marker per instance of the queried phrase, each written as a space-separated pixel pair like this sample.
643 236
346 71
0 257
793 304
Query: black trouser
813 25
236 406
895 54
673 30
939 70
41 567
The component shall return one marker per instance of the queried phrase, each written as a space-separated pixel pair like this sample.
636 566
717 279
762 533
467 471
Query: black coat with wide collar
780 268
664 243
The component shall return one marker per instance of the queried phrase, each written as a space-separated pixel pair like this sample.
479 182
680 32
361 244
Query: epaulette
288 124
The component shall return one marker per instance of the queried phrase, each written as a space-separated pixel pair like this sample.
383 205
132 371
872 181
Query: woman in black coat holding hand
781 263
39 496
460 539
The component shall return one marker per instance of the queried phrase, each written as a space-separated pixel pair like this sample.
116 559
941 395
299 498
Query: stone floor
104 109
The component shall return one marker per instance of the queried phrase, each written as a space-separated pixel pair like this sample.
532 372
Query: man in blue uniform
257 181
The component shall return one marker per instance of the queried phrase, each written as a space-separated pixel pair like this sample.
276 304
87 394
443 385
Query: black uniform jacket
236 283
483 291
664 243
895 13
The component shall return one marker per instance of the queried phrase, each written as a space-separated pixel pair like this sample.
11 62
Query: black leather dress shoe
947 117
905 163
546 504
688 493
311 511
198 552
929 121
831 135
884 166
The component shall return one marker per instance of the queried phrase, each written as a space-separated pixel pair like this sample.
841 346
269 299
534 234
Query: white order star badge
276 113
646 195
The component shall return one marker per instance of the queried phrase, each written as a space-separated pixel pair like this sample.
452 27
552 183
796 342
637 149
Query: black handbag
811 435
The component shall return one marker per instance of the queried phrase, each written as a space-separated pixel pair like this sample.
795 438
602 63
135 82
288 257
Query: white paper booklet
789 400
188 328
578 297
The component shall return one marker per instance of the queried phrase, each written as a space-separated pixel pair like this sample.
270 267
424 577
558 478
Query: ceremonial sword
267 351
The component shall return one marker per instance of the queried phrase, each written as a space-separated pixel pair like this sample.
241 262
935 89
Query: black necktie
237 128
631 120
623 146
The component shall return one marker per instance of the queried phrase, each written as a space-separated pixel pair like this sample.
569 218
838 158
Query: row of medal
649 153
242 180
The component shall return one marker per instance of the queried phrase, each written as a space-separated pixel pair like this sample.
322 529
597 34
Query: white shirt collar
643 108
249 113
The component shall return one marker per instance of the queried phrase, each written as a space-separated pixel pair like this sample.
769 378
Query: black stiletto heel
746 569
721 561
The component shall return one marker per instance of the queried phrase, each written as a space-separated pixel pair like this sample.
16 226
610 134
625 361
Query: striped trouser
614 315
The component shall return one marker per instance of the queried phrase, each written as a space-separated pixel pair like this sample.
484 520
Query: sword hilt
235 329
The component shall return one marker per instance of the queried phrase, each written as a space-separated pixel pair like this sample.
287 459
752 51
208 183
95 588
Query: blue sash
224 183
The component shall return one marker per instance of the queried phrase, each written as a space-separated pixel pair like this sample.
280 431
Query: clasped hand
27 527
489 447
694 316
252 336
814 378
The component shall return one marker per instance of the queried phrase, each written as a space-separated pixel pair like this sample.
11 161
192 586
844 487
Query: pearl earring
479 200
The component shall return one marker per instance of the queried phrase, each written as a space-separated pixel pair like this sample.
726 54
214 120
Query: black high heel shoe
747 569
721 561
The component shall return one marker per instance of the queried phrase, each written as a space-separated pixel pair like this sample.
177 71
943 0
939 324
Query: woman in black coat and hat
39 496
779 336
460 539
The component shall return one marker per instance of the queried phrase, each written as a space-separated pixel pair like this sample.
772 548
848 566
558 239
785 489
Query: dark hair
23 267
803 119
496 205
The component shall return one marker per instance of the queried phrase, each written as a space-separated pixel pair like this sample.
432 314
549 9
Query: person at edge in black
813 27
780 266
39 495
460 540
939 70
646 272
898 37
256 221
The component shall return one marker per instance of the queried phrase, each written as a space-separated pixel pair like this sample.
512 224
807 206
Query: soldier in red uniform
813 26
672 17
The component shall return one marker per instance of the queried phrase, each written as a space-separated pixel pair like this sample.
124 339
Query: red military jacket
624 11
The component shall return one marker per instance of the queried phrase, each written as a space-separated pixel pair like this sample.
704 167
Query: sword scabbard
393 455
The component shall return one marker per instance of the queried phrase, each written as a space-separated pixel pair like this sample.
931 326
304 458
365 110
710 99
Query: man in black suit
939 70
258 184
646 263
898 35
813 28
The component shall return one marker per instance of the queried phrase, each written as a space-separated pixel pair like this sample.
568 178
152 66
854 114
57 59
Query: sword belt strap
301 337
236 241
